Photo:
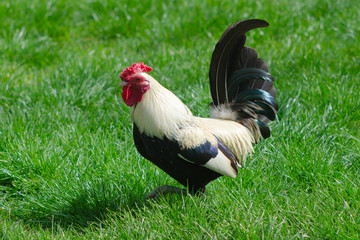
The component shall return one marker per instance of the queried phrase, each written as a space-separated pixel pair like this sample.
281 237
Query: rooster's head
134 83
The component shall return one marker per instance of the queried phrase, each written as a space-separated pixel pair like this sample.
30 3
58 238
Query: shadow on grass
78 205
83 206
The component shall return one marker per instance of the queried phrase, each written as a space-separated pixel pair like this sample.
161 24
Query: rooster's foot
163 190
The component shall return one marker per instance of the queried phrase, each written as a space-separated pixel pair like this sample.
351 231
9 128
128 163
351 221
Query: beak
122 83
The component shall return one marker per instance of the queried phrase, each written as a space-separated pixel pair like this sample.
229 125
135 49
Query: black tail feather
227 54
240 79
249 78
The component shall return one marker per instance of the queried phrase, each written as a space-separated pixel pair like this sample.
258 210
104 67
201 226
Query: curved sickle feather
221 60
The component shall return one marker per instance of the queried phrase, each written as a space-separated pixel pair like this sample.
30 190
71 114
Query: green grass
68 166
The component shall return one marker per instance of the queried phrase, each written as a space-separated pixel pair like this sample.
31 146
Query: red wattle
131 95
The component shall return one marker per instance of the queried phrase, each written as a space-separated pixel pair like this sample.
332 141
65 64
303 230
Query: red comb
135 68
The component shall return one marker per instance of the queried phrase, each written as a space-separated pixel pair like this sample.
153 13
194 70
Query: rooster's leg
163 190
166 189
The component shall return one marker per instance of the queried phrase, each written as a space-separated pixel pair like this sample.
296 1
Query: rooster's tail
241 87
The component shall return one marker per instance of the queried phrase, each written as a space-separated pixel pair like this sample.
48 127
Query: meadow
68 165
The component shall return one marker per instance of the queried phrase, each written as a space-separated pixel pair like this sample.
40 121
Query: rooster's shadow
87 208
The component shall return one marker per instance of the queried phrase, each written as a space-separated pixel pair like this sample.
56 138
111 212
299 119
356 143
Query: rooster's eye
138 80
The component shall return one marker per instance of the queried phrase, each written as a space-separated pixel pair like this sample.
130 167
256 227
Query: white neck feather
160 112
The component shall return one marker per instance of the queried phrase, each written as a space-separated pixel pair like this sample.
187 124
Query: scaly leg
166 189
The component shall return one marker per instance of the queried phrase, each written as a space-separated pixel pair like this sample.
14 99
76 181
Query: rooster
194 150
